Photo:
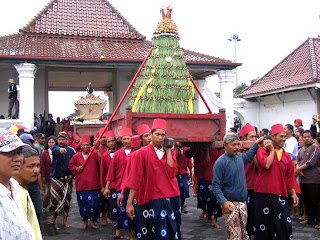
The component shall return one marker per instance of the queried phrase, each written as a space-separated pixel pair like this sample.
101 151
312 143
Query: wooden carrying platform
181 127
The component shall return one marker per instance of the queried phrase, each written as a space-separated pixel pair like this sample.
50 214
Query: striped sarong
236 222
60 195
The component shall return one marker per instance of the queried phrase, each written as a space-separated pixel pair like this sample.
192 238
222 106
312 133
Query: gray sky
269 30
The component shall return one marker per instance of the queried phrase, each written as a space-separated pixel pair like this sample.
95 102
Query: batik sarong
272 217
104 204
251 212
119 214
183 187
144 222
236 222
166 218
89 205
206 199
60 195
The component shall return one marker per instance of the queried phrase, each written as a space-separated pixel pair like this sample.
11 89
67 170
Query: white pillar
201 107
26 84
227 78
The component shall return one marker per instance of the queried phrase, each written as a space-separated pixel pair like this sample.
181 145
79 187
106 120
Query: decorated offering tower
164 84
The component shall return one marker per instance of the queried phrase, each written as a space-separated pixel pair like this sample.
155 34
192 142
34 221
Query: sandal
317 226
303 218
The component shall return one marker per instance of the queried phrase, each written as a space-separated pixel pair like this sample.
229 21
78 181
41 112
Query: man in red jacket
87 183
157 167
275 178
115 177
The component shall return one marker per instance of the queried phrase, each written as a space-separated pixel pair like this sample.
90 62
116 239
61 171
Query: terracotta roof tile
301 67
85 30
26 46
88 18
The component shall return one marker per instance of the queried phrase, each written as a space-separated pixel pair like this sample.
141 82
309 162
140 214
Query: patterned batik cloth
89 205
184 187
60 195
104 204
251 212
272 217
167 218
119 214
144 228
206 199
236 222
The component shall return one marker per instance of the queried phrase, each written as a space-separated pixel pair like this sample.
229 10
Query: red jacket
279 178
89 178
158 177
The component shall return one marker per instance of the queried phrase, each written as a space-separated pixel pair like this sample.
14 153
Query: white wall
298 104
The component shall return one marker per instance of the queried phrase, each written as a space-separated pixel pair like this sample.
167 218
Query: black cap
63 135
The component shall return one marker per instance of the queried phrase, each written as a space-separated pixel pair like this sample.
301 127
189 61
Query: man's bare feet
93 225
117 234
53 219
201 217
130 234
109 221
184 209
215 223
84 225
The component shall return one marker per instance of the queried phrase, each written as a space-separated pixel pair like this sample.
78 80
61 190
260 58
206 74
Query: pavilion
71 42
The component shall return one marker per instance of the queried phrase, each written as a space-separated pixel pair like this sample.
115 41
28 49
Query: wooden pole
119 104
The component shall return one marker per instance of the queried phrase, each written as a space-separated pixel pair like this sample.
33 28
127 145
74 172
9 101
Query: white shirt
13 222
291 146
159 152
127 151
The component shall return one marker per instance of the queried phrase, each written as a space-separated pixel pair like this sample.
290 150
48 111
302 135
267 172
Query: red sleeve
126 172
73 165
262 156
189 163
104 164
136 173
173 171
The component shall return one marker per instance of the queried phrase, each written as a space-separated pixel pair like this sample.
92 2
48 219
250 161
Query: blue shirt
229 180
60 162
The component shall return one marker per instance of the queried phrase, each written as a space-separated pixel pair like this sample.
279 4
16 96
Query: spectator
35 189
317 141
291 143
308 170
14 97
298 123
298 132
50 125
29 173
41 139
12 219
46 168
232 130
313 127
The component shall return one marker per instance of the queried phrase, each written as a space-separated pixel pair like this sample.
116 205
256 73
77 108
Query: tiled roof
43 47
85 30
301 67
89 18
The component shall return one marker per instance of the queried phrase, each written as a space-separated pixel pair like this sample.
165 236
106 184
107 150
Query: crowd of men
257 181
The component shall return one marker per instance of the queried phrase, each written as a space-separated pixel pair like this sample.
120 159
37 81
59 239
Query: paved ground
193 228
